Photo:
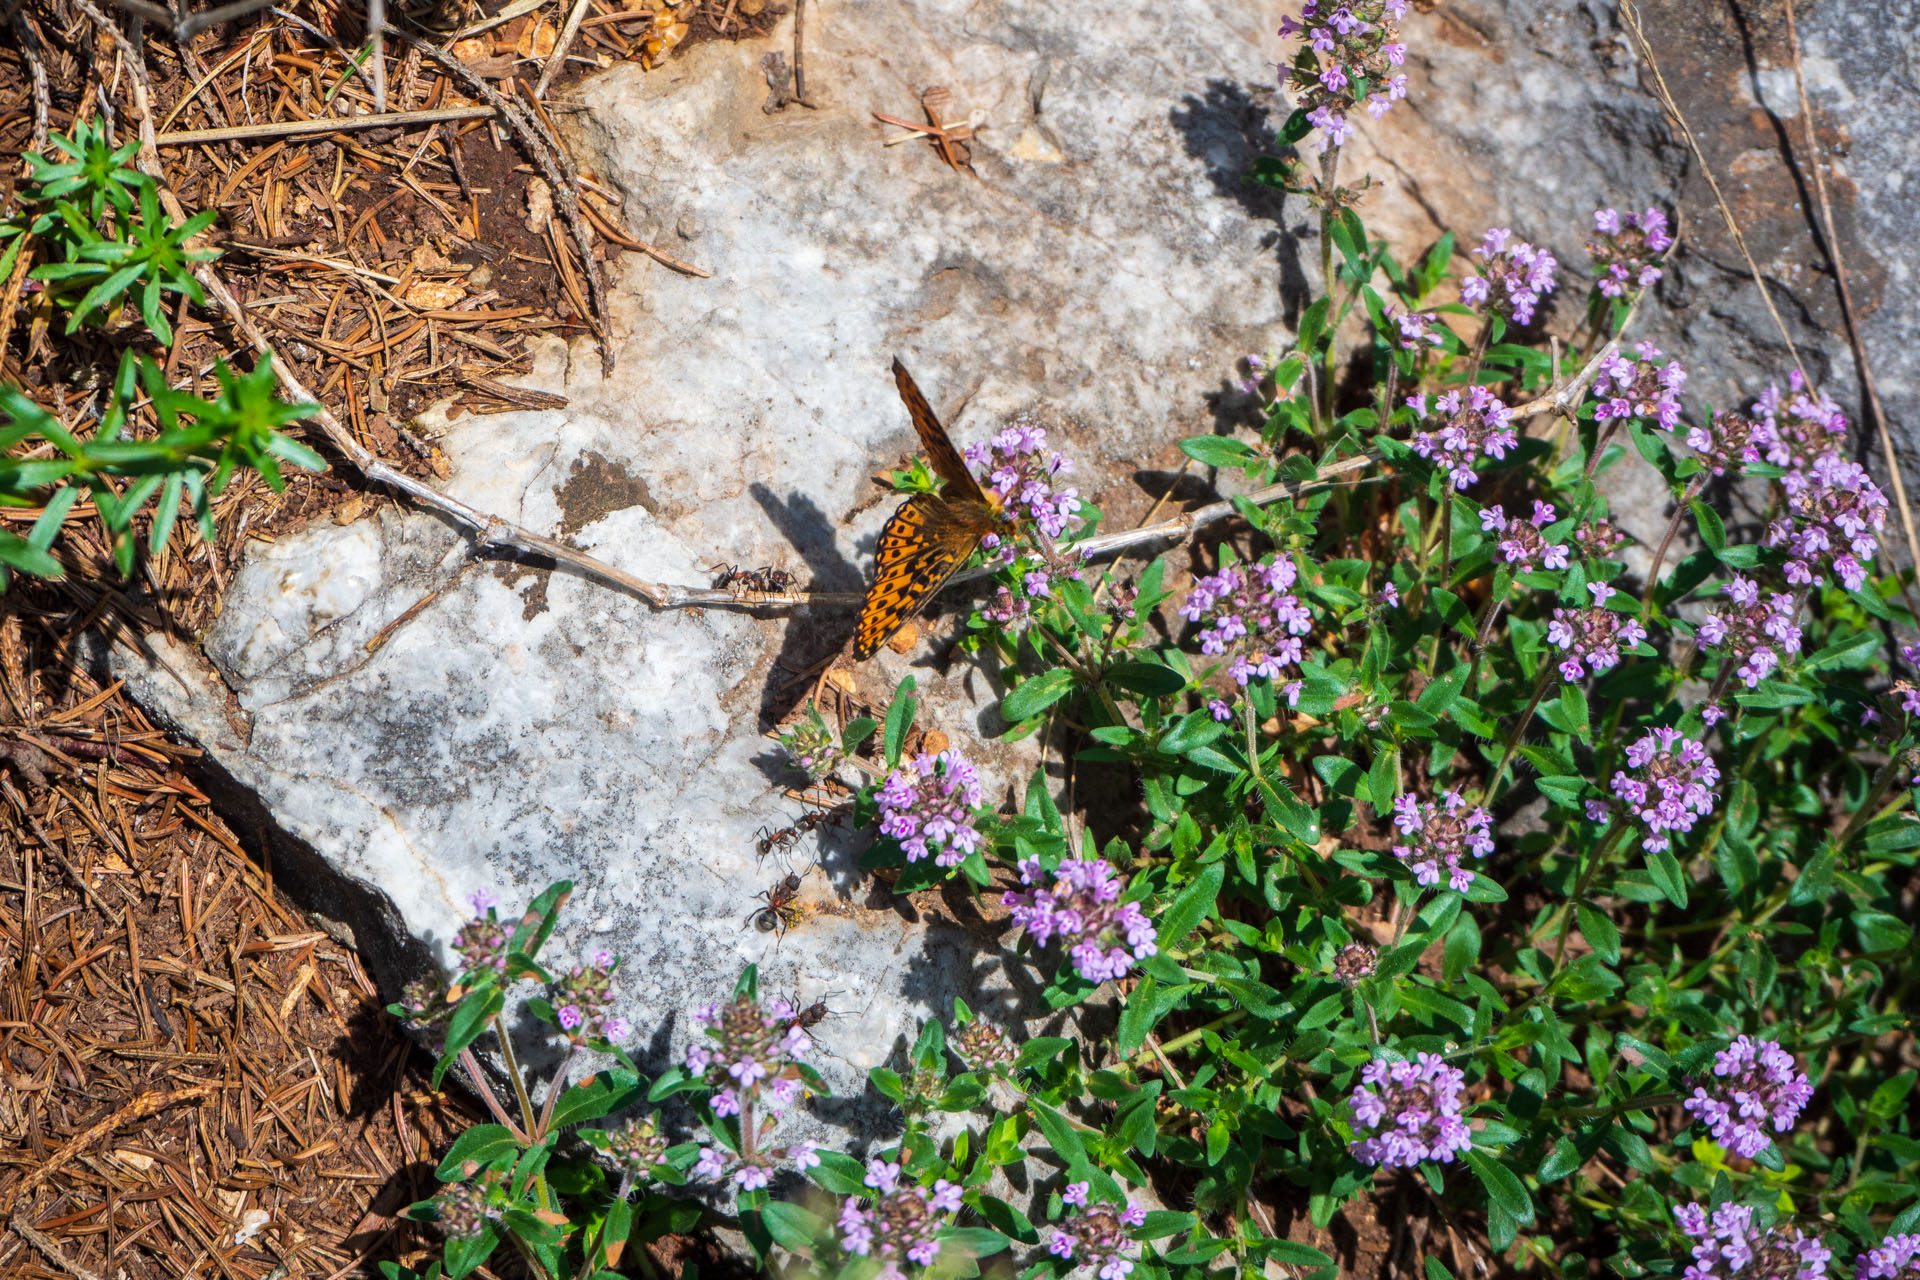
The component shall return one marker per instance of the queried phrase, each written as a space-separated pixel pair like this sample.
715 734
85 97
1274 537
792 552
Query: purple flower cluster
750 1054
1469 429
1755 1081
582 1000
1521 543
1414 1116
1834 513
901 1225
1598 539
1757 634
1627 248
1017 465
927 805
1594 636
1728 1244
1897 1258
1442 832
1095 1235
637 1146
1796 427
1082 903
1726 445
1513 277
1671 786
1639 387
1251 609
1357 45
1417 328
482 943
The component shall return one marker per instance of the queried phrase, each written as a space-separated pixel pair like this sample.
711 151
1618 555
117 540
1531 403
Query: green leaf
1038 1050
1666 873
792 1227
1031 697
1161 1223
1712 531
899 719
1505 1191
1600 932
1146 679
1815 880
487 1146
599 1094
1218 451
1194 904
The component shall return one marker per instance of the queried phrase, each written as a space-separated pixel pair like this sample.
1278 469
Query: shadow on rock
1227 129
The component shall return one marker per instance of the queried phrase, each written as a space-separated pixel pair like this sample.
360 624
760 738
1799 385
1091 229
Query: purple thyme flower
1672 785
1513 277
901 1225
1756 1081
1360 45
1797 427
1639 387
1594 636
1017 465
1095 1235
1598 539
1417 328
1251 609
1627 249
1082 906
1727 445
1443 832
1897 1258
745 1047
1464 432
582 1001
637 1146
1758 635
927 805
1415 1115
1521 542
1834 511
483 942
1388 596
1729 1245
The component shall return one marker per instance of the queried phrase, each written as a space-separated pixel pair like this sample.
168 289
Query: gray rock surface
428 724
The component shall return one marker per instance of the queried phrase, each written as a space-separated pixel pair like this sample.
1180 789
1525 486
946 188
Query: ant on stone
780 913
771 841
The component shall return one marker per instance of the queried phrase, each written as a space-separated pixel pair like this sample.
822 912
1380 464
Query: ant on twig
766 578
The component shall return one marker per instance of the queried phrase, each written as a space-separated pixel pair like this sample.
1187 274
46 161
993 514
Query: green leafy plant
99 227
179 470
1565 903
103 236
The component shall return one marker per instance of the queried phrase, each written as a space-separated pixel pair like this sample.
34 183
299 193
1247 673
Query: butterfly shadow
807 638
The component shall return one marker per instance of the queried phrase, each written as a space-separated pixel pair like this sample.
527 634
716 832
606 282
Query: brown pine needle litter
194 1077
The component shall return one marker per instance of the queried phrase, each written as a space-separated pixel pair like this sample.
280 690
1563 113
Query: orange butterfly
929 536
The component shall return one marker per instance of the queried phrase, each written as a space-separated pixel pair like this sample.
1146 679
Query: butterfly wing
947 462
919 549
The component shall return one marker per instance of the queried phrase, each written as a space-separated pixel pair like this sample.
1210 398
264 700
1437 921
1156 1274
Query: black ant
780 913
726 575
767 578
771 841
